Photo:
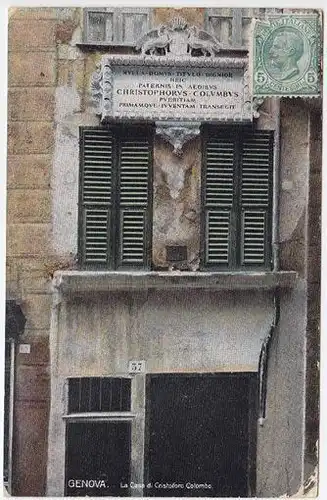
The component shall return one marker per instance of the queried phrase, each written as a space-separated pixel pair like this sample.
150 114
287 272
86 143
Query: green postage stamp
286 56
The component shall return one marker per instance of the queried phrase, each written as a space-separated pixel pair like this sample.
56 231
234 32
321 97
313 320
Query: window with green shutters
237 198
115 197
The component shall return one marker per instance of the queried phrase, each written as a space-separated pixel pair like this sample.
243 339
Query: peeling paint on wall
294 166
176 217
66 169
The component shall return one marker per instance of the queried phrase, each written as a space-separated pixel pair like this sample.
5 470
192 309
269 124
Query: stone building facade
189 321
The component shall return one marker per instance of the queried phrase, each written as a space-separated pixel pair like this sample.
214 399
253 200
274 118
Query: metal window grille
96 394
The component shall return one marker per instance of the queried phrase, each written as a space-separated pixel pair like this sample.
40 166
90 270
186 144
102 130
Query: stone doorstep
106 281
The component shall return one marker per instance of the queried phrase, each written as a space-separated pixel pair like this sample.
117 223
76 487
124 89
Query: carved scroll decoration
96 88
257 102
101 87
178 134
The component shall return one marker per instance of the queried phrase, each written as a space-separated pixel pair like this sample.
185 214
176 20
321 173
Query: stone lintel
107 281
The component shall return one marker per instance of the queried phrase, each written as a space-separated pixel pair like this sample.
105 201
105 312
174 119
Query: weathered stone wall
31 81
176 201
294 185
313 301
42 60
173 331
37 39
191 15
281 439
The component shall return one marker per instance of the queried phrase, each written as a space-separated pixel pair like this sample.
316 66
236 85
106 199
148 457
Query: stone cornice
219 61
108 281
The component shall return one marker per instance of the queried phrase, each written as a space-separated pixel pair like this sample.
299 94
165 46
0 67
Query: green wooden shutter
95 195
134 202
218 199
237 199
256 198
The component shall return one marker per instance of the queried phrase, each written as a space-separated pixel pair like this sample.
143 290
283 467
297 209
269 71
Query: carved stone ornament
257 102
96 89
178 39
177 134
180 76
101 87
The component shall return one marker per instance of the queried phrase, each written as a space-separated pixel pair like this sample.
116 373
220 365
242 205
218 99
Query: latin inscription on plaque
165 93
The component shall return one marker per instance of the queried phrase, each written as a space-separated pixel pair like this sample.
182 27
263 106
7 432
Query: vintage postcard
162 324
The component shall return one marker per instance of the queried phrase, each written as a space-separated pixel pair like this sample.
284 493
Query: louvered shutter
96 195
134 203
218 199
256 183
237 199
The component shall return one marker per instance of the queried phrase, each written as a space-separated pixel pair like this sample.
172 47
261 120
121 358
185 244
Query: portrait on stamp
286 50
285 55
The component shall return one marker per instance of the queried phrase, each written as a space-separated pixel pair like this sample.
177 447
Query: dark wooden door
31 417
97 459
200 435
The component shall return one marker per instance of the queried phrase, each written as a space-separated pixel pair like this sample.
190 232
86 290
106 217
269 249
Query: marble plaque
187 89
164 93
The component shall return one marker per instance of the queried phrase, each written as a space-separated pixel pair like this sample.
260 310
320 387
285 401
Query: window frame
117 24
236 15
114 242
238 131
98 417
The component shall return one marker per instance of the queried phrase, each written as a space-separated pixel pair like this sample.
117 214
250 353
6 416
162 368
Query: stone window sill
106 281
100 416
